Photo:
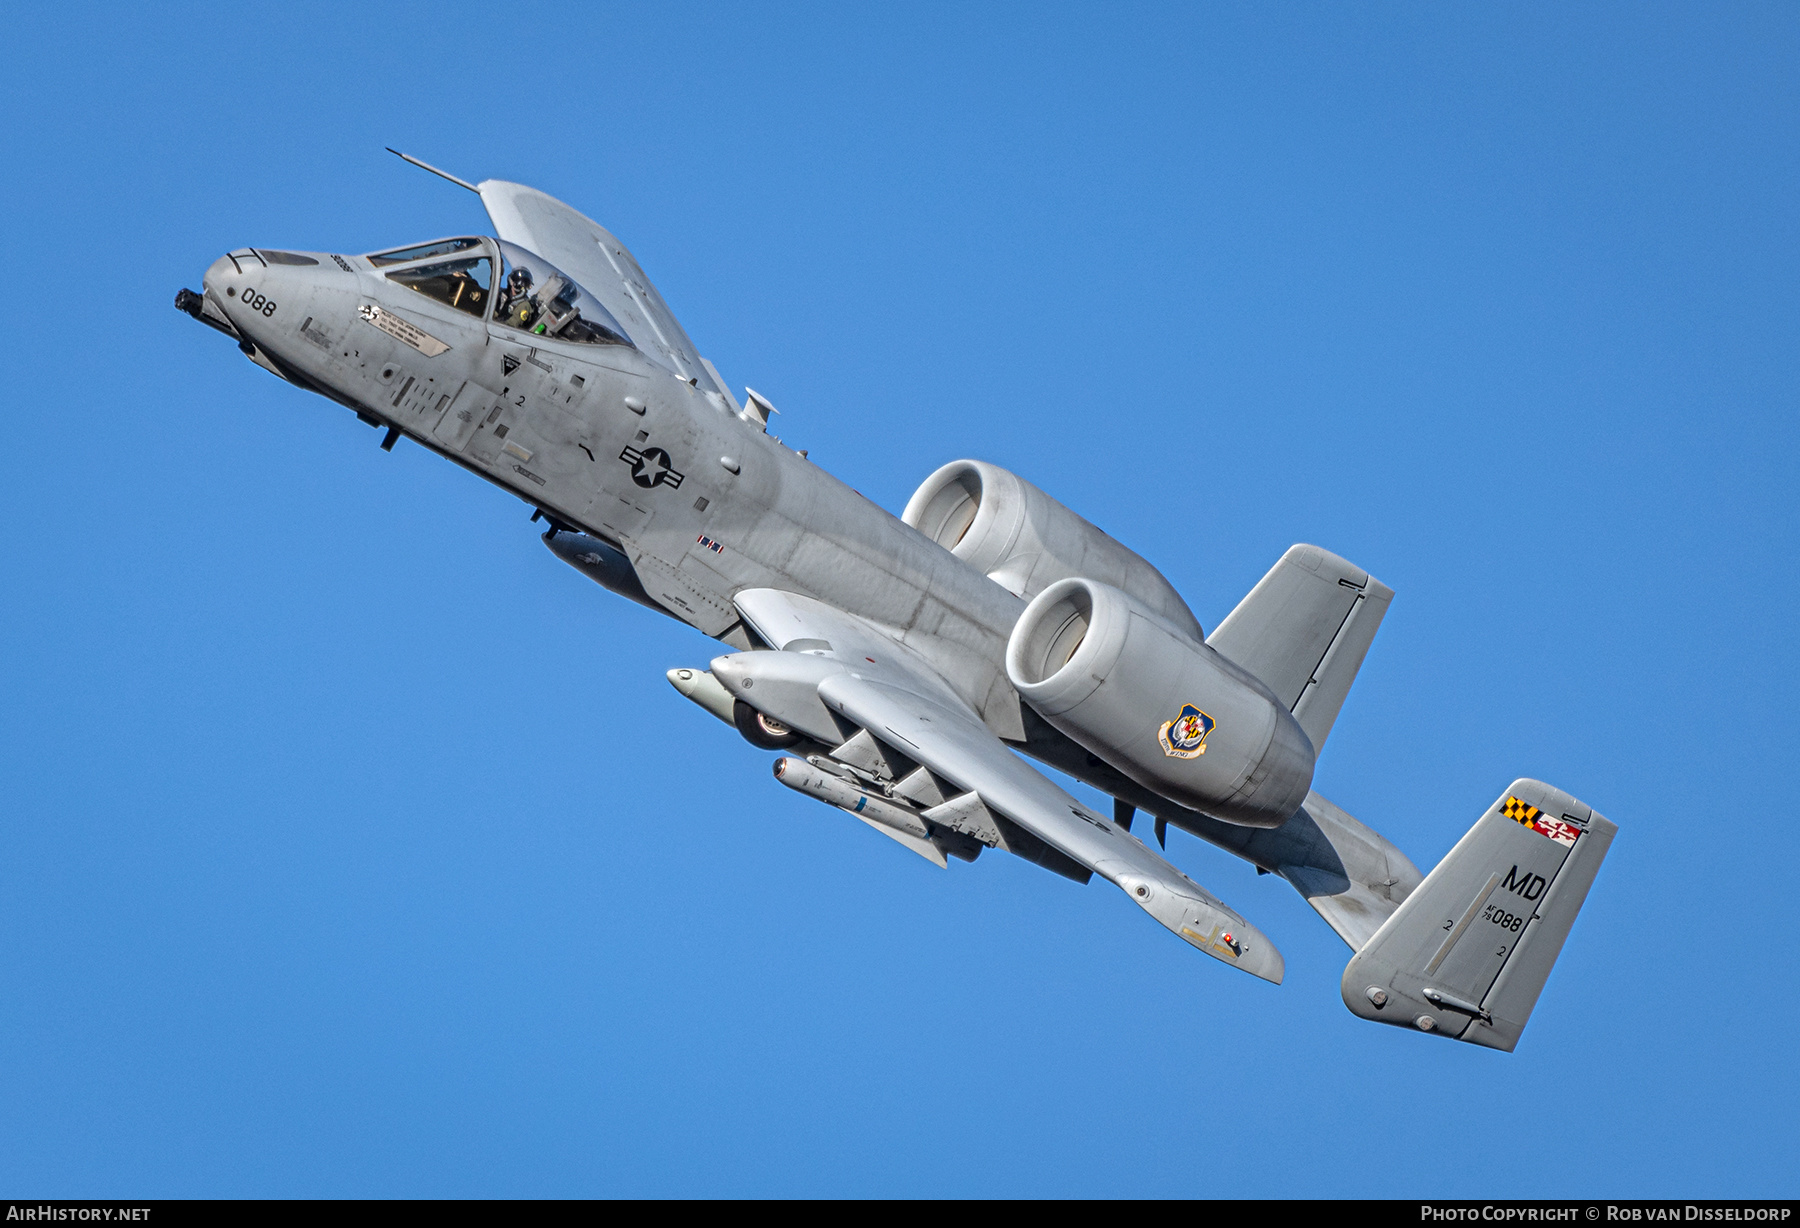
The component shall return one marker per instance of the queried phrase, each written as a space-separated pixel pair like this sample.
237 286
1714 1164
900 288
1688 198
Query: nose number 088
254 300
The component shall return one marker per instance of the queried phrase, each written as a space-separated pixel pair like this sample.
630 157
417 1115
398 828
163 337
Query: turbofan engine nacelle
1165 710
1025 541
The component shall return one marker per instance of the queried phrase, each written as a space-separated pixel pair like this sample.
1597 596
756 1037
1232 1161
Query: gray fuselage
699 498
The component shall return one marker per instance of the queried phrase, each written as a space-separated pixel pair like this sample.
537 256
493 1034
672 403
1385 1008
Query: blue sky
353 845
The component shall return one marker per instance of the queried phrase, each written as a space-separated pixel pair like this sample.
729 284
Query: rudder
1469 951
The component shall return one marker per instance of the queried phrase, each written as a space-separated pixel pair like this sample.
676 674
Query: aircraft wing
893 695
590 254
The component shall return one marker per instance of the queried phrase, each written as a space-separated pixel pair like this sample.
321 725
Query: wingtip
1255 954
1222 934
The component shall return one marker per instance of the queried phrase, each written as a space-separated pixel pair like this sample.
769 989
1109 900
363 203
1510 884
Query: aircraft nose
258 291
214 281
216 304
255 296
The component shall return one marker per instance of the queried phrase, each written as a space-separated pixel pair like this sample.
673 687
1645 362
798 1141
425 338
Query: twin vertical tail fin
1469 951
1304 630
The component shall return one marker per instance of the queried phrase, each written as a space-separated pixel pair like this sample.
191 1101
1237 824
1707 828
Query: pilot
515 299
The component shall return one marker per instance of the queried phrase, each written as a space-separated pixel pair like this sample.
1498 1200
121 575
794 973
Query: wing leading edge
879 689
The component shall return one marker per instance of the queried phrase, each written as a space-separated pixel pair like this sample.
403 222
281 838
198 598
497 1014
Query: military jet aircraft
900 666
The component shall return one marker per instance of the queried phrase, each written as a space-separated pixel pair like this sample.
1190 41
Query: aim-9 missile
803 777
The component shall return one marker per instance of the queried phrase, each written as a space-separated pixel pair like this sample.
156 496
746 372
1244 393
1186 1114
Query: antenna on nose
426 166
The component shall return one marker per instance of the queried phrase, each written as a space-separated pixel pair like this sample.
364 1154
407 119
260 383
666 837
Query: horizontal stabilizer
1351 875
1304 630
1469 951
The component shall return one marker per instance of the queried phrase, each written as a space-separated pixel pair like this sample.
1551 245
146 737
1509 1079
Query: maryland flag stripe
1519 812
1527 815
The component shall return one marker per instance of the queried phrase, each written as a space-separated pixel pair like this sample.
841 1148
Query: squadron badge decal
1185 736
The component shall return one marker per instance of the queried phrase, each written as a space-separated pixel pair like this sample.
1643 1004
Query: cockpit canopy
443 247
463 281
533 295
541 299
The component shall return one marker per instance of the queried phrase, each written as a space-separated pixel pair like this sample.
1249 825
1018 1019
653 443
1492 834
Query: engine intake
1162 708
1025 541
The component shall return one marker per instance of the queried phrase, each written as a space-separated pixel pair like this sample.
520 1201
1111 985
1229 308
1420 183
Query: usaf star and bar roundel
652 467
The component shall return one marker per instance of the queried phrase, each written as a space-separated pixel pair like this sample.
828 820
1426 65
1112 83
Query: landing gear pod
761 730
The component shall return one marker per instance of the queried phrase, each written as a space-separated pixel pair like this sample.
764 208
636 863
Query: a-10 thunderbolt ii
899 664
